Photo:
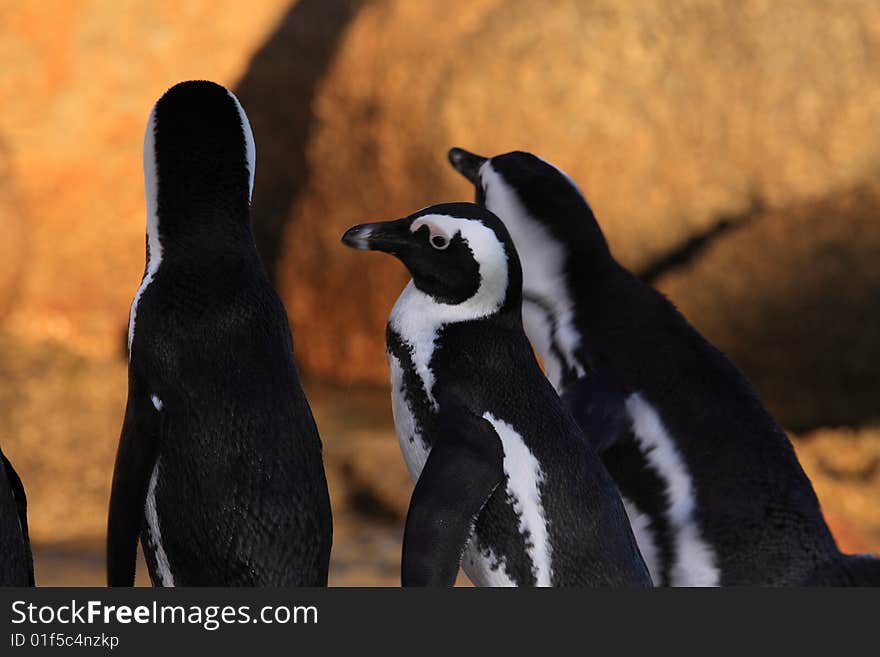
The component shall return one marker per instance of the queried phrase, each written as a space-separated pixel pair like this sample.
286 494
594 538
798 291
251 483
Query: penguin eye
438 237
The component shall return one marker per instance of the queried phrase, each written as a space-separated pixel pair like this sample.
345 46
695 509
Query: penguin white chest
414 448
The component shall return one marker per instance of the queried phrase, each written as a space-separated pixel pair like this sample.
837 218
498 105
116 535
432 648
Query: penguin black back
714 490
16 561
219 460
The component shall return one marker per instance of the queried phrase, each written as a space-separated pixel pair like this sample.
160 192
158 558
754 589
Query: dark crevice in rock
277 92
688 252
864 474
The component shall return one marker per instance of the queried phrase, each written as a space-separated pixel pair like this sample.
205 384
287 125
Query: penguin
219 469
16 560
713 488
503 485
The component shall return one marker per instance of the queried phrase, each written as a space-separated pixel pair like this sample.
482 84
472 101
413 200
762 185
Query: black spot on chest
412 388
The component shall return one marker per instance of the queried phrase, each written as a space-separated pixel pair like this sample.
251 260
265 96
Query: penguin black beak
387 236
466 163
358 237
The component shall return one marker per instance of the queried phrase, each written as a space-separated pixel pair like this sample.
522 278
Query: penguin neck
419 319
190 233
198 202
555 273
559 242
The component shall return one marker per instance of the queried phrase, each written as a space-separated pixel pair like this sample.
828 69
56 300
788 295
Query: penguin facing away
714 491
16 561
219 469
504 485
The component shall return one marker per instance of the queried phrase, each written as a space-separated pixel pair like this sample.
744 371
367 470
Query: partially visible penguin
219 469
715 493
504 485
16 562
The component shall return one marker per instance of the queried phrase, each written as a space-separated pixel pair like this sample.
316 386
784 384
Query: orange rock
79 82
793 299
848 538
669 117
844 466
12 237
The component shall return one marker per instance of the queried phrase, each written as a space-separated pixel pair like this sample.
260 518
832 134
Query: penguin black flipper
463 470
20 498
599 406
135 460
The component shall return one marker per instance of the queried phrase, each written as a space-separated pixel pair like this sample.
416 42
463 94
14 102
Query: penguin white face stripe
695 563
524 479
151 190
163 568
418 317
543 259
437 229
250 145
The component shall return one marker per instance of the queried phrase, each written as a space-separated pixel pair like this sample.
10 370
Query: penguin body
498 462
219 468
713 488
16 561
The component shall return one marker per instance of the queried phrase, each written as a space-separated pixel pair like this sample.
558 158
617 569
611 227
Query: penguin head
459 254
199 161
541 206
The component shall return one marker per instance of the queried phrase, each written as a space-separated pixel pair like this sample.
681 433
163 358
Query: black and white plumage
714 491
16 561
219 468
504 484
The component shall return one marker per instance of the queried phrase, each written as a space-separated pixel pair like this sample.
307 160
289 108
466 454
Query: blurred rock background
731 150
